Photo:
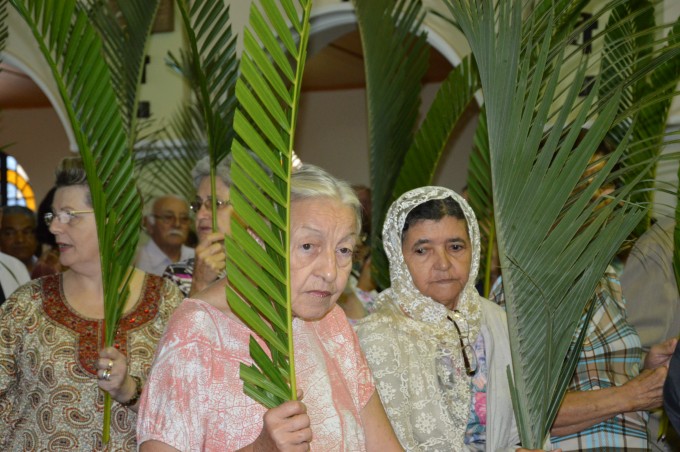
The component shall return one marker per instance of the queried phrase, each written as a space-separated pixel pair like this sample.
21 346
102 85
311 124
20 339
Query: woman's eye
456 247
346 251
307 246
420 250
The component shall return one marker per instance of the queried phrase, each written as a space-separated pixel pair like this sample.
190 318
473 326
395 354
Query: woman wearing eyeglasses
53 370
194 274
437 350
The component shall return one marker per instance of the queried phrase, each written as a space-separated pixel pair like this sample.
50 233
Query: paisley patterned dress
49 398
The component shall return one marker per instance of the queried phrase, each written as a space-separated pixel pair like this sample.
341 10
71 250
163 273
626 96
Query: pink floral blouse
194 398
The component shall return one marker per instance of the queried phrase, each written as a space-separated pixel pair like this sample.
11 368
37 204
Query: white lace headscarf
416 305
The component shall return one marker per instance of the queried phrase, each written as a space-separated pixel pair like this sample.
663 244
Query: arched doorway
332 124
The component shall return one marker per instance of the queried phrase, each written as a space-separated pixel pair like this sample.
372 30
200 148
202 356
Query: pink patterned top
194 398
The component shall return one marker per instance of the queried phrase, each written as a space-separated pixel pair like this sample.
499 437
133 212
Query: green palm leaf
268 92
395 53
552 253
73 50
3 24
629 48
124 32
454 96
210 66
164 164
481 197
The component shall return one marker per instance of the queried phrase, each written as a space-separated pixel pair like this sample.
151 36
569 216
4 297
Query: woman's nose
55 226
327 268
441 260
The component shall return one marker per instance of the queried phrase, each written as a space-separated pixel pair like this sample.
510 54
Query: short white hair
309 181
151 204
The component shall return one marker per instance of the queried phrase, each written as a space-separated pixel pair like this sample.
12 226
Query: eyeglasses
64 216
196 204
469 357
168 218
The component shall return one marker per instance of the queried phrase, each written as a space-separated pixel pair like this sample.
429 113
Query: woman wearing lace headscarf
438 351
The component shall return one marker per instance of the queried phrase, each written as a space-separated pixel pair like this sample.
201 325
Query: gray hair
222 170
148 206
309 181
71 173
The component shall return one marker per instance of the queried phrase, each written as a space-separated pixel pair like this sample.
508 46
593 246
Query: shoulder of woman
489 308
23 301
195 321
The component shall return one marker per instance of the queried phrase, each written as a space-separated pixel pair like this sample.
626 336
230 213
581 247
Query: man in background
167 221
12 273
17 235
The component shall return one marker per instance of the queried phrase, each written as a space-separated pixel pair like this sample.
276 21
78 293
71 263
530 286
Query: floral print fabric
194 399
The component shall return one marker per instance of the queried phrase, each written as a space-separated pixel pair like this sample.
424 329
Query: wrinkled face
438 255
77 240
322 240
171 226
17 236
204 215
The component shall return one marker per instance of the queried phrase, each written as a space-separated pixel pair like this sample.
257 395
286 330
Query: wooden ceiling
337 66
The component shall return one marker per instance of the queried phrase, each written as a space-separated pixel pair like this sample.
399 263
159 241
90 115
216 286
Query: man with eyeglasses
167 222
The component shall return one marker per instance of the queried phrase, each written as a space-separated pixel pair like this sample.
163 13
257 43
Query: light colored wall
38 143
336 138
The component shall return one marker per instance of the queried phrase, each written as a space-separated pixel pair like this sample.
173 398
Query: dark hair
70 173
434 209
18 210
42 231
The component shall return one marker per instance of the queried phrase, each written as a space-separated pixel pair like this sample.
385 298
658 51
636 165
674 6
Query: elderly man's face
17 236
171 226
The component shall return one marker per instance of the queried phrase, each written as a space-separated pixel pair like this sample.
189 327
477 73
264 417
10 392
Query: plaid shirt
611 356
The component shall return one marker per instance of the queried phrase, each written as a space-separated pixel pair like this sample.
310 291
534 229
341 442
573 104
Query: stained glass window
14 187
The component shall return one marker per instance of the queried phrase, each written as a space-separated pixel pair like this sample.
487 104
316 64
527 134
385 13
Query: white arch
54 101
329 22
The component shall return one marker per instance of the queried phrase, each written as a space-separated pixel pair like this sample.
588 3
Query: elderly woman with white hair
196 273
194 399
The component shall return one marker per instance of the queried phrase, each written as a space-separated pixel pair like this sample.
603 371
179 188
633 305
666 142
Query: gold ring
109 366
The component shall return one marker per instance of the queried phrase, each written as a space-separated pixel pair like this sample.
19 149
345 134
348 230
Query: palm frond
552 254
3 24
629 48
124 27
481 198
73 50
210 66
395 51
454 96
268 92
164 164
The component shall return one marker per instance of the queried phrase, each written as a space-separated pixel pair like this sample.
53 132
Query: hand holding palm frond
268 91
74 52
